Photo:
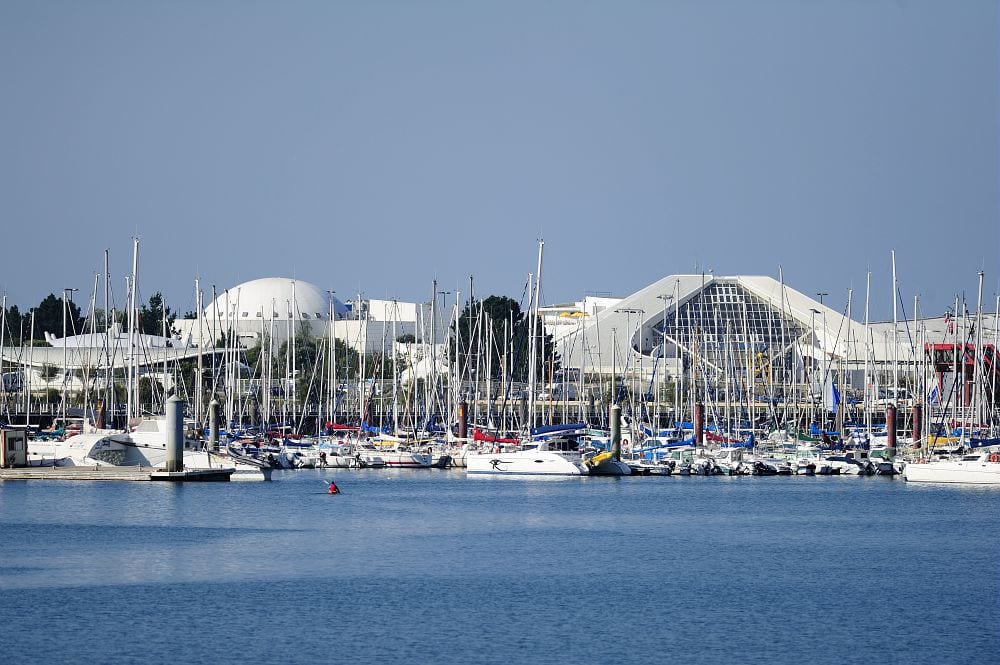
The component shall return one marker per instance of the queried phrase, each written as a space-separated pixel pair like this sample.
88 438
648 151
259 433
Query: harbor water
430 566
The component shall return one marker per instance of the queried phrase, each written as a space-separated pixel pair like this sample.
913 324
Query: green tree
47 372
503 316
306 349
49 317
12 333
150 391
151 316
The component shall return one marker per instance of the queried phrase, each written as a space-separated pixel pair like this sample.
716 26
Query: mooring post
699 424
175 434
890 428
616 431
463 420
213 424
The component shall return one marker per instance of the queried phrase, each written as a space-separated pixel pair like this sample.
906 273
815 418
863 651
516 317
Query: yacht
146 446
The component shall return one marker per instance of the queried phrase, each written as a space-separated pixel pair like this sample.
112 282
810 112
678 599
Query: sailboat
554 456
978 468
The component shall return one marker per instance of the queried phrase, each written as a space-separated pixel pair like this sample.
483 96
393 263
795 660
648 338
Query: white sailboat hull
974 472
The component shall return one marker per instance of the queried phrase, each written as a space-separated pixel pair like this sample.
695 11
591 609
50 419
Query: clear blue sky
373 146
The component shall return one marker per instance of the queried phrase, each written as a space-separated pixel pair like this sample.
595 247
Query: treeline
53 312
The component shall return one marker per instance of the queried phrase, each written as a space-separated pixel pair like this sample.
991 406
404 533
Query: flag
934 396
831 396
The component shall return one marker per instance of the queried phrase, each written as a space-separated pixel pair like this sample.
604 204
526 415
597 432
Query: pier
118 473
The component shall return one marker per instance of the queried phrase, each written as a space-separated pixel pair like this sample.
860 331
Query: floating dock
133 473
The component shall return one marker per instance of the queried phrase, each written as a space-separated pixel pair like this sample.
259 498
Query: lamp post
444 299
821 294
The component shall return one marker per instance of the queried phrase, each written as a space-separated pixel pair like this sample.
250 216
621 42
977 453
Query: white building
274 307
712 328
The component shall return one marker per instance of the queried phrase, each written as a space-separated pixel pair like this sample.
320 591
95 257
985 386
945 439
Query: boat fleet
425 424
573 449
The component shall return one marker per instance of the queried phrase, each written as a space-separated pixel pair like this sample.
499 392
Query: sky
372 147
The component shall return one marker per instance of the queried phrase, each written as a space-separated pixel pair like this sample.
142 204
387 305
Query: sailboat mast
841 408
332 376
294 309
109 367
198 396
87 362
977 378
30 372
532 389
395 370
163 327
132 408
868 351
895 331
539 328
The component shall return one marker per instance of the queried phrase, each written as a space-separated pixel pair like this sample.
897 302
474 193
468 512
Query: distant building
273 307
733 329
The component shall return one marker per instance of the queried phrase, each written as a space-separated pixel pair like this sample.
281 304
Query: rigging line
906 321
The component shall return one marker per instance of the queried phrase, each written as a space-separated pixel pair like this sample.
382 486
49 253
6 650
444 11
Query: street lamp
628 312
821 294
444 298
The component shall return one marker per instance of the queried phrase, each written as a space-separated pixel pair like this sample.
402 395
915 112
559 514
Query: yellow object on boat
597 459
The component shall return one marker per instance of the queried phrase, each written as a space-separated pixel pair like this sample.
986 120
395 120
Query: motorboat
146 446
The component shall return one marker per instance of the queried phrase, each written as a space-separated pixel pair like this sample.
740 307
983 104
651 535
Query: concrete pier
76 473
192 475
115 473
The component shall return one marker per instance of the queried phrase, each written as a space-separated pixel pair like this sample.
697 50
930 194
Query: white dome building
275 308
267 307
274 298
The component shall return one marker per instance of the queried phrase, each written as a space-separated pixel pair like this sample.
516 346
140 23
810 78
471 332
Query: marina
500 333
734 375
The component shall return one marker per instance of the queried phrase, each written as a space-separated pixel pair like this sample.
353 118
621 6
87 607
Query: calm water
432 567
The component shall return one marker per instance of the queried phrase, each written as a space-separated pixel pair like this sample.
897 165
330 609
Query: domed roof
276 298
